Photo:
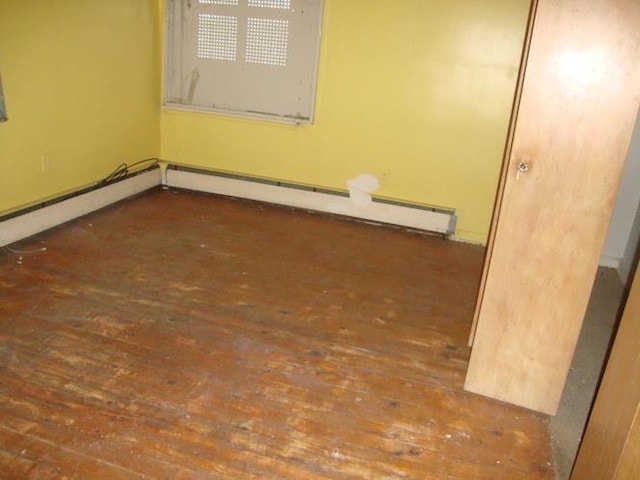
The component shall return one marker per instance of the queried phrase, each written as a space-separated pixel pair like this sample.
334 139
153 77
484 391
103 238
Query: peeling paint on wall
361 188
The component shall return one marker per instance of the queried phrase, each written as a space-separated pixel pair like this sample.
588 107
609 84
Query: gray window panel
248 57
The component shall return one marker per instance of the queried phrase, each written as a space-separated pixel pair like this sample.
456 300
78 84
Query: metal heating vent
418 217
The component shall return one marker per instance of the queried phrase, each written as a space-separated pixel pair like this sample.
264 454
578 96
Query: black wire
125 169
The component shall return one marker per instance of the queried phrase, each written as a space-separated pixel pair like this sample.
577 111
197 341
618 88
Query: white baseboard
438 221
42 219
36 221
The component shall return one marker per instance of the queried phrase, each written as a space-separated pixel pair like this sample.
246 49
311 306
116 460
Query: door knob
523 167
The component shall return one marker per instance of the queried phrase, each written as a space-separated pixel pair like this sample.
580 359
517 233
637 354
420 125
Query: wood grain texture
629 464
187 336
504 172
611 445
577 111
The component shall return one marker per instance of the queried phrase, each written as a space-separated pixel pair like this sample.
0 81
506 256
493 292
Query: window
249 57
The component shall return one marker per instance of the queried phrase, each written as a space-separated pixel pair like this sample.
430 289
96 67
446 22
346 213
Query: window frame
173 65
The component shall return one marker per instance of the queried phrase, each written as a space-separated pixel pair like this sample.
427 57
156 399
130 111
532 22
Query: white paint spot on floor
337 455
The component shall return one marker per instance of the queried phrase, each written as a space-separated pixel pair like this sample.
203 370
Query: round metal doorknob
523 167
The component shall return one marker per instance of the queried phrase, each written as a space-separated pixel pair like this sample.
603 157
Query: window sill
256 116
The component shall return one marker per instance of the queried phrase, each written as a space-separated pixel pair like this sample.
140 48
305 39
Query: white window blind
248 57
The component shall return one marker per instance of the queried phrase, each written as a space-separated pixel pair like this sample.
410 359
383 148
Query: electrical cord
7 248
18 255
125 169
121 171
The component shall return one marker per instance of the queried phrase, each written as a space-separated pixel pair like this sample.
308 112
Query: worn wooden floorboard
188 336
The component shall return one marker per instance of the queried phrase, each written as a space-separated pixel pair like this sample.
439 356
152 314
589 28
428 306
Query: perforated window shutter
254 57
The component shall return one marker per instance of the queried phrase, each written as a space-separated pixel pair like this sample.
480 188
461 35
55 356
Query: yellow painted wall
82 87
417 92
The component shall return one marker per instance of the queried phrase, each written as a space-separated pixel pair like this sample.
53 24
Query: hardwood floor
186 336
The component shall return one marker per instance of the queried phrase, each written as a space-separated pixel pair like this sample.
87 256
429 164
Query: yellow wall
82 87
417 92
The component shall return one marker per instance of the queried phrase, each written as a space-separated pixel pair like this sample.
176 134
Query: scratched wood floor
187 336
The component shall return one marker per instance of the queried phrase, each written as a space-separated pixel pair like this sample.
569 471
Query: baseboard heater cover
23 224
428 219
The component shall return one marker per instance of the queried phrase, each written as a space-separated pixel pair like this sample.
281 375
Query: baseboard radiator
45 215
435 220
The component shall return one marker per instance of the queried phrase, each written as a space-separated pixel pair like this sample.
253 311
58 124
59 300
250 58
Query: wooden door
611 445
576 110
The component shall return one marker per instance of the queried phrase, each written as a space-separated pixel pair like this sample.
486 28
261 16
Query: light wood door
611 445
575 114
